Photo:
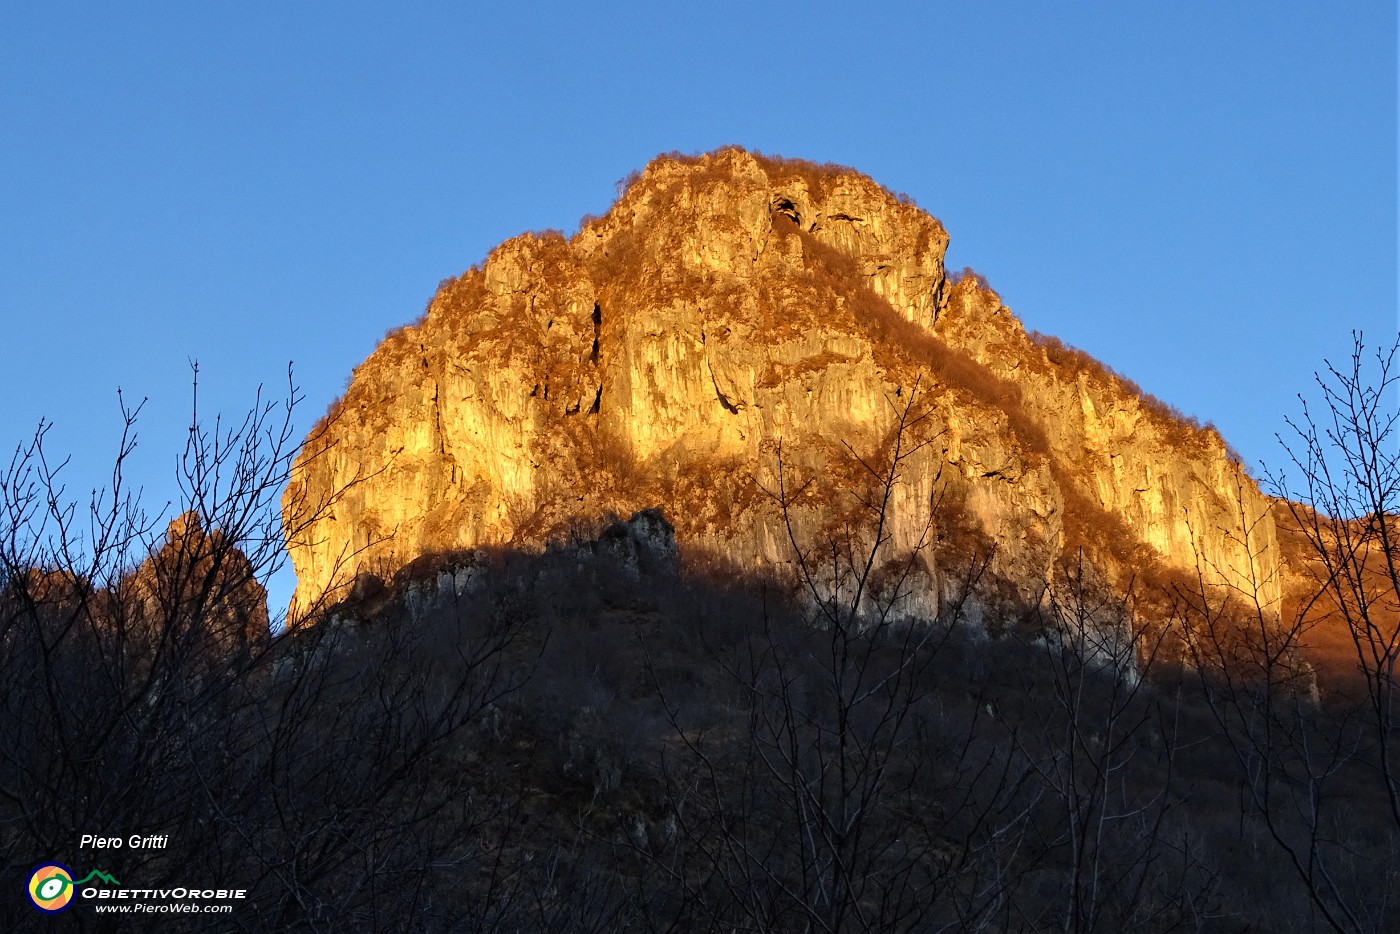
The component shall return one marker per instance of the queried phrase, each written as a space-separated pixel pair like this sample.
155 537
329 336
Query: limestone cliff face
730 311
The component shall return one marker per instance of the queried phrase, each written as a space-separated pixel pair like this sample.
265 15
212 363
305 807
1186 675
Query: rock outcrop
196 590
198 580
730 314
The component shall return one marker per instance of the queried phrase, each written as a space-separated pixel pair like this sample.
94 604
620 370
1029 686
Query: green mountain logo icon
100 875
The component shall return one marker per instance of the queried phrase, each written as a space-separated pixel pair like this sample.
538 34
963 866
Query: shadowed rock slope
729 314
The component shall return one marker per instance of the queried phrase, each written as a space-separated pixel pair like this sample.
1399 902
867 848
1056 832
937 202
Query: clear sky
1202 194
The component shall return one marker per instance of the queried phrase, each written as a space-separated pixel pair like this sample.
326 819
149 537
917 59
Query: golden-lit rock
726 308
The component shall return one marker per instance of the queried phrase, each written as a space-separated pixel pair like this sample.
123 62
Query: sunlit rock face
729 314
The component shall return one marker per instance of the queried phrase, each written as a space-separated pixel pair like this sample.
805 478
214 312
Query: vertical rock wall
727 308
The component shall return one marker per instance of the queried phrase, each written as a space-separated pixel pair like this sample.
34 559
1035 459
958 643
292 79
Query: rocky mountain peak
731 213
736 326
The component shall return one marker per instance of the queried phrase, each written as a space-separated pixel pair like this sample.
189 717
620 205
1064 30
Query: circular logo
51 887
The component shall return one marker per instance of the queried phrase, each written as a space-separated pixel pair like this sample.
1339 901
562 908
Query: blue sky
1202 194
